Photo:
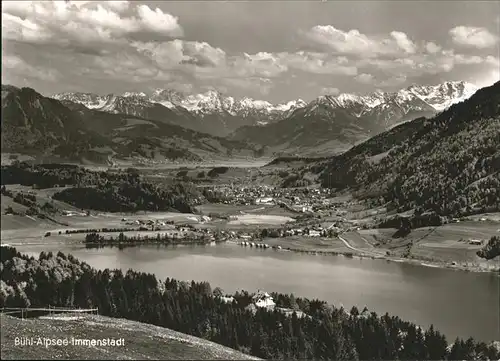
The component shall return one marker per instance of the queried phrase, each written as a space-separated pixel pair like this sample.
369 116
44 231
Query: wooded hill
47 128
448 164
111 191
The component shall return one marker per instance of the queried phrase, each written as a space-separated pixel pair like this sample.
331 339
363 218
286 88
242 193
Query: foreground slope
36 125
141 341
448 164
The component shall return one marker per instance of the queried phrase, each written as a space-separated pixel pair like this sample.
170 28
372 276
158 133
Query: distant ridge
331 124
218 114
63 130
448 164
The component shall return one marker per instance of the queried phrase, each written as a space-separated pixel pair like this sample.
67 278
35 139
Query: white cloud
364 78
166 55
466 59
14 27
471 36
355 43
259 85
432 48
330 91
64 23
118 5
488 78
158 22
181 87
132 43
204 62
13 66
203 53
393 57
420 64
199 57
318 63
262 64
403 42
491 60
393 82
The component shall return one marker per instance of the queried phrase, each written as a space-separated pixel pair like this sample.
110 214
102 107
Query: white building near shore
263 299
266 200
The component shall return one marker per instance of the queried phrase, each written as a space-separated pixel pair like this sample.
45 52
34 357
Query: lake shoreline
414 261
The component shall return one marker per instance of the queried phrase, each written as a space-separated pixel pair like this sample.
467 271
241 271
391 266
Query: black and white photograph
250 180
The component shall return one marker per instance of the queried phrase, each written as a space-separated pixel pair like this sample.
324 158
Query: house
226 299
263 299
266 200
314 233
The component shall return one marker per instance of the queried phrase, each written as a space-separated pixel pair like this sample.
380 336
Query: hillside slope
448 164
33 124
307 130
141 341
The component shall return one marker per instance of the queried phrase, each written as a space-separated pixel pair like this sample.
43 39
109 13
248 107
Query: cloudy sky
272 50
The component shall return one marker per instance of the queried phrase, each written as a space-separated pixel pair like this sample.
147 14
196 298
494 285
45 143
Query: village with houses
307 213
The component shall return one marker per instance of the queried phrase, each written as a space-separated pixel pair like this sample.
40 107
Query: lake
458 303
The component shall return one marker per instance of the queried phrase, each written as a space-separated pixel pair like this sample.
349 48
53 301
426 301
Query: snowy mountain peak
133 94
291 105
89 100
385 108
436 97
442 96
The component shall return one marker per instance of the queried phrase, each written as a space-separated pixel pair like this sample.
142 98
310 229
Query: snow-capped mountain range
216 113
405 104
231 113
213 101
336 122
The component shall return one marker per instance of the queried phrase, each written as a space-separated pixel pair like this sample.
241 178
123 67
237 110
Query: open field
356 240
234 209
309 244
251 219
447 244
23 229
229 209
141 341
18 229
